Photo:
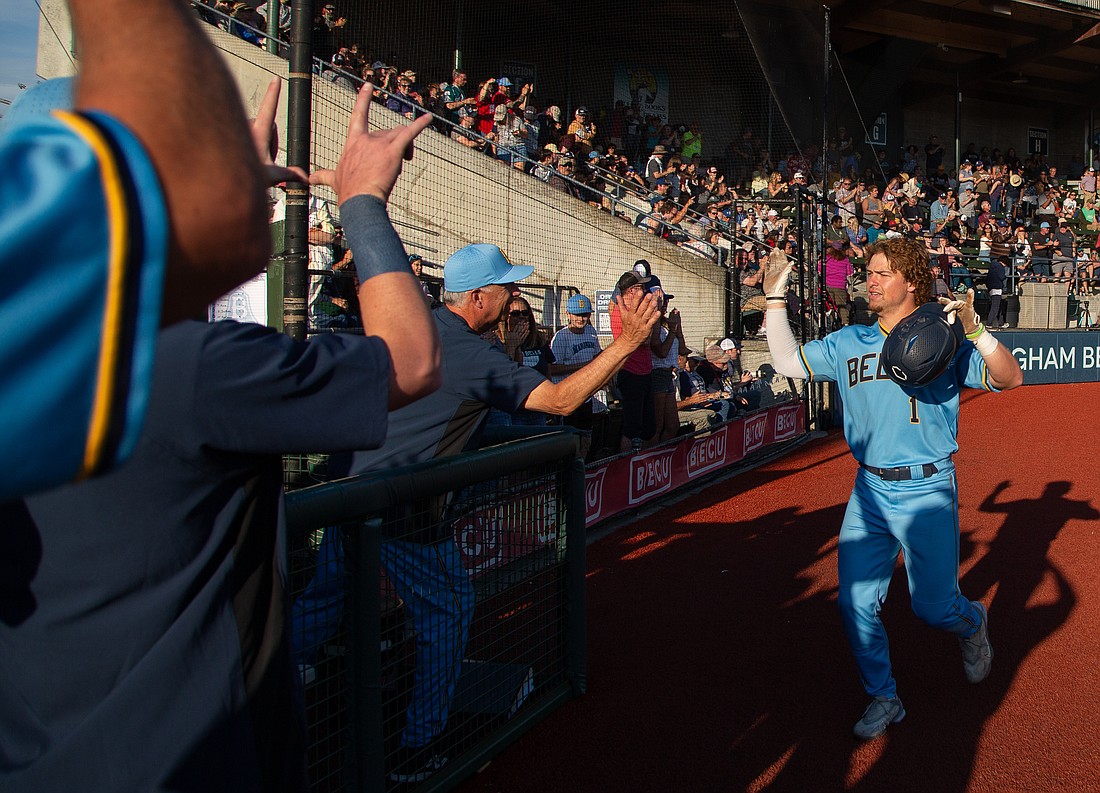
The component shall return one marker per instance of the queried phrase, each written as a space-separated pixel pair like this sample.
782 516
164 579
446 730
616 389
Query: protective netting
726 149
815 95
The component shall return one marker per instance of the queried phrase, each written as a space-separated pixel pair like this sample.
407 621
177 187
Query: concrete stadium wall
464 196
449 196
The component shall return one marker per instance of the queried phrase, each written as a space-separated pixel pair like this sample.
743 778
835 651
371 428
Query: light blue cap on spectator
40 100
1044 225
579 304
480 265
504 82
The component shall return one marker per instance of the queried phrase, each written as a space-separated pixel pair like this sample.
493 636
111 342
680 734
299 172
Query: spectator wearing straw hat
244 23
1012 194
655 166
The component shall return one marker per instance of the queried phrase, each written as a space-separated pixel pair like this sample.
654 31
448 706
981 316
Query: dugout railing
447 594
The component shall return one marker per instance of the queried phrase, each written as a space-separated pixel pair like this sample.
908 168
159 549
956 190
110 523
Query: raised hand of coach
639 318
266 137
371 161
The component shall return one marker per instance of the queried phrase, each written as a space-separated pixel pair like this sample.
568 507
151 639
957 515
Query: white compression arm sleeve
782 344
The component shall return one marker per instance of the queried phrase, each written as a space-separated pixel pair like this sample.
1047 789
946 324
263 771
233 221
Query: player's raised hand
371 161
964 310
777 271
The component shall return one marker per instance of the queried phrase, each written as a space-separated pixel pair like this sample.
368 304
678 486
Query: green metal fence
443 600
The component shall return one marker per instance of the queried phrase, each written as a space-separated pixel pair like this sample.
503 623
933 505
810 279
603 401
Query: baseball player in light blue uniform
905 494
83 248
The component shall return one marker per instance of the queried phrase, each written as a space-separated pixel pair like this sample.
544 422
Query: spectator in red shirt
485 93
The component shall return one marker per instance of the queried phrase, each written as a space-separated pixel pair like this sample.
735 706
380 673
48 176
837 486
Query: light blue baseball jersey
83 241
885 424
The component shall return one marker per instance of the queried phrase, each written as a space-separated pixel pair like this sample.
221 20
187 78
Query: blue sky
18 42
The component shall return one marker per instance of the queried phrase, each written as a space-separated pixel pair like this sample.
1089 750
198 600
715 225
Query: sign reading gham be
626 482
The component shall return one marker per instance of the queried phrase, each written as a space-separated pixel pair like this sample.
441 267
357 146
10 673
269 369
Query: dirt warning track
717 660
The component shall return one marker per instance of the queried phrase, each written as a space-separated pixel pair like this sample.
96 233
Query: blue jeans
439 599
961 278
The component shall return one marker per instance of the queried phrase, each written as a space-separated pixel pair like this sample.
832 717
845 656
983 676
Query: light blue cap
505 82
579 304
40 100
480 265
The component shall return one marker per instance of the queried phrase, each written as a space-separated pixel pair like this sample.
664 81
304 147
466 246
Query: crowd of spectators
995 209
636 167
733 209
652 173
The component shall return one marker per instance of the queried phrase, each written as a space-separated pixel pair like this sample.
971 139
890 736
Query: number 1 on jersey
913 417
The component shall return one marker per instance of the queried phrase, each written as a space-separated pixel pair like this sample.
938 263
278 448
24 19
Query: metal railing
333 73
440 601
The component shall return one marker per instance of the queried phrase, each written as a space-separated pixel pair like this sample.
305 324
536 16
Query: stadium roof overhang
1028 53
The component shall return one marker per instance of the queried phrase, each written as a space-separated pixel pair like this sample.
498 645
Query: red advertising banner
627 482
524 522
507 530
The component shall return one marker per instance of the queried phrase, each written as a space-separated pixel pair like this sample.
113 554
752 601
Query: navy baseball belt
902 473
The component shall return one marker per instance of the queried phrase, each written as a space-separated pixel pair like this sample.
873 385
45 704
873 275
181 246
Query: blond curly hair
908 257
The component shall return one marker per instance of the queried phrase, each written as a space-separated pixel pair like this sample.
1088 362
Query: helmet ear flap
920 347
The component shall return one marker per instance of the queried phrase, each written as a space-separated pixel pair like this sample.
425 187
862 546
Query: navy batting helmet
920 347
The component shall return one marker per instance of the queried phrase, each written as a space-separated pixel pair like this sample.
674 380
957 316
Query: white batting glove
777 271
971 322
964 310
